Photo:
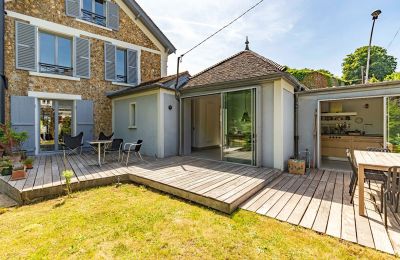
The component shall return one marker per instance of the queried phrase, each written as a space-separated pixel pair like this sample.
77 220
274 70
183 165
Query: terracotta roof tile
243 65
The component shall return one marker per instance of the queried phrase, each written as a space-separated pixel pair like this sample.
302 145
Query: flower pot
18 175
6 171
29 166
16 157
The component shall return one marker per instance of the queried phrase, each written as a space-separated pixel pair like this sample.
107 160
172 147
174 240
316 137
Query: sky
297 33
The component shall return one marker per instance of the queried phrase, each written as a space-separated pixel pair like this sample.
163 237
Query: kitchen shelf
340 114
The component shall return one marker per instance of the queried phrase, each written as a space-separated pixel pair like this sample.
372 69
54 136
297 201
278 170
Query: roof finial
247 44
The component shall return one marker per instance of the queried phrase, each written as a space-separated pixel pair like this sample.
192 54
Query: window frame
56 54
132 125
125 65
93 11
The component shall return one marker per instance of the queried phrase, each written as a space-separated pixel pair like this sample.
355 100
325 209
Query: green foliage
28 161
394 120
373 80
11 140
381 64
301 74
68 176
393 76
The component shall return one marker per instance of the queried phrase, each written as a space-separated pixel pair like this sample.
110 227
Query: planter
16 157
297 166
29 166
18 175
6 171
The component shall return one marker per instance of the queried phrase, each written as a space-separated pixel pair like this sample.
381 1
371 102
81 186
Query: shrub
68 176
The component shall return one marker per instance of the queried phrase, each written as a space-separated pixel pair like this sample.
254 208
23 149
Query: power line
394 37
212 35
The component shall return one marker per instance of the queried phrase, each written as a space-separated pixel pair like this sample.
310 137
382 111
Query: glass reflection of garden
393 108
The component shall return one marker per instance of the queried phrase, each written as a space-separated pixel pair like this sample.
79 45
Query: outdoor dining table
99 143
366 160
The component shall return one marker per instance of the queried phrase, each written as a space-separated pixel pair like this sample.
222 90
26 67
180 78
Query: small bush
68 176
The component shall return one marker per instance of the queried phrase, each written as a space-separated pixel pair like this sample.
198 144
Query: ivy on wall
317 78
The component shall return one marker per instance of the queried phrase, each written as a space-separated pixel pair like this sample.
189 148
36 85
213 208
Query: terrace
318 200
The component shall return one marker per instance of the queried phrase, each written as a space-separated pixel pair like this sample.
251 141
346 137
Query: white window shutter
73 8
112 16
26 38
109 61
132 67
82 58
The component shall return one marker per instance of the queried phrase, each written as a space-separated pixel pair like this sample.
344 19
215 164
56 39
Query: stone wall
20 82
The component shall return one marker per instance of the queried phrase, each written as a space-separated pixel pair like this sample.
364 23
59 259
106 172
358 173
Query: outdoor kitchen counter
335 145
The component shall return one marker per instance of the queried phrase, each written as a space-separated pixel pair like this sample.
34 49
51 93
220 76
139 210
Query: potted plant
5 166
28 162
12 141
18 172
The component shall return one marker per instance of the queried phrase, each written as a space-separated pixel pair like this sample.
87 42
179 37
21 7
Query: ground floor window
132 115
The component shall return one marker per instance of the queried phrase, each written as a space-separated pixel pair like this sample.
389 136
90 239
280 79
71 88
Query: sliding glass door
238 133
393 123
55 121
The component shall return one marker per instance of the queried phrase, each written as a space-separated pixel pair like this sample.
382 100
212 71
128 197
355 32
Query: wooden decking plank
48 175
248 204
274 198
280 204
364 233
55 171
334 227
312 209
268 176
209 180
220 190
32 175
213 183
321 220
266 196
349 231
393 228
245 186
39 176
380 236
292 202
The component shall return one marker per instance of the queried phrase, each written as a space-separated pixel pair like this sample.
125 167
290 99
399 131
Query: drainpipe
296 125
3 83
178 98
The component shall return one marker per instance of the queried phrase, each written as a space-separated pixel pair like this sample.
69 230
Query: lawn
135 222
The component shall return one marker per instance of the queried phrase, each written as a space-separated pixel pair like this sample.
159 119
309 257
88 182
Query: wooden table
372 161
99 143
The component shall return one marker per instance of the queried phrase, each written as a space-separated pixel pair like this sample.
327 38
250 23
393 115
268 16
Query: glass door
238 120
393 123
55 120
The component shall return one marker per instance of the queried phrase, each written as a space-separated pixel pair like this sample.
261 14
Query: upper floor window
94 11
55 54
121 66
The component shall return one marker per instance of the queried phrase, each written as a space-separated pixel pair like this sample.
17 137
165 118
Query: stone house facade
61 53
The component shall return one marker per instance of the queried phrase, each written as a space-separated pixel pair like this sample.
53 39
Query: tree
393 76
381 64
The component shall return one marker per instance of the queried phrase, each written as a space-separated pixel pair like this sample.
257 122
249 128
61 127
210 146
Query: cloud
187 23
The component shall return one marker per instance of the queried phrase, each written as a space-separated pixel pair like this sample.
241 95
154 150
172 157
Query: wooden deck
219 185
321 201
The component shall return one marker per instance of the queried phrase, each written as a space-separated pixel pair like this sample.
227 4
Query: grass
135 222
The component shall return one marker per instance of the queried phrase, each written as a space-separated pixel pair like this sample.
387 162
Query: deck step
7 202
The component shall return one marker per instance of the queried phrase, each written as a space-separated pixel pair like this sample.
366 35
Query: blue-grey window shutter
84 120
26 38
73 8
109 61
132 67
82 58
112 16
23 119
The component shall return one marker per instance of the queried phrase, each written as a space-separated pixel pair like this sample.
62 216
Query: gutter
3 80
